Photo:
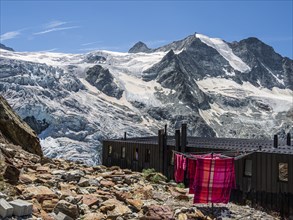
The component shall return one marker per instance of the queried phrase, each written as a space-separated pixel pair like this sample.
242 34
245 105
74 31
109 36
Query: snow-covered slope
225 51
74 101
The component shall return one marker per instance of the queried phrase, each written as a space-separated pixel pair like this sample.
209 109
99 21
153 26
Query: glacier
220 89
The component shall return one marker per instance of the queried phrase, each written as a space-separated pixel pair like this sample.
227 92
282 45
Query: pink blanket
179 167
214 180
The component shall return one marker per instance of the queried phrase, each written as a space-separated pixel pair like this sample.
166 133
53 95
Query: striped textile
214 179
191 173
179 167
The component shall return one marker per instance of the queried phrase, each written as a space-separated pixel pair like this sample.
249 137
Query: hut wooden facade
264 178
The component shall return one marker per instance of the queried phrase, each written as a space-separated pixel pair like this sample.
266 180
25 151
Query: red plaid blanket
214 180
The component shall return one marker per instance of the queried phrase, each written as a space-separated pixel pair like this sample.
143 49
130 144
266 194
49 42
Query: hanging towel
179 167
214 179
191 174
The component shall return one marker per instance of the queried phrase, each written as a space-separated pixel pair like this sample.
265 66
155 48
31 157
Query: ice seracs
218 88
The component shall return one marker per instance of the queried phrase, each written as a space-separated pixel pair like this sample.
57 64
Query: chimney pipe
166 130
183 137
125 135
288 139
275 141
177 140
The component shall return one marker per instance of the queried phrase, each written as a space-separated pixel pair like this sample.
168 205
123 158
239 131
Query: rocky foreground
60 189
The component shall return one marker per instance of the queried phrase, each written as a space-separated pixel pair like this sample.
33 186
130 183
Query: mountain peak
2 46
139 47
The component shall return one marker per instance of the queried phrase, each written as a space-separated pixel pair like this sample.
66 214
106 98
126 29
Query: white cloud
55 29
9 35
86 44
49 50
54 24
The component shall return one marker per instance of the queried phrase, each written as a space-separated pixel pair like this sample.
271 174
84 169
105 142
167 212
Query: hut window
283 172
147 155
109 150
136 154
248 167
123 152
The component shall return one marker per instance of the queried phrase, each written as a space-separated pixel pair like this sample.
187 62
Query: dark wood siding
129 161
263 188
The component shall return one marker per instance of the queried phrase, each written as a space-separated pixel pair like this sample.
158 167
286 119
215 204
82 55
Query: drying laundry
191 173
179 167
214 179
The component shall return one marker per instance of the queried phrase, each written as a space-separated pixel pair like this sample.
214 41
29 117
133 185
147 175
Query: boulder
49 204
41 193
67 208
74 175
158 212
11 174
136 203
27 178
21 207
107 183
94 216
83 182
6 210
113 208
62 216
91 199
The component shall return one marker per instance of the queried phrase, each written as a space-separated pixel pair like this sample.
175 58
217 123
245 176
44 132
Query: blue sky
81 26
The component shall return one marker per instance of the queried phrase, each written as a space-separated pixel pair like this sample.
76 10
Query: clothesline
208 179
236 157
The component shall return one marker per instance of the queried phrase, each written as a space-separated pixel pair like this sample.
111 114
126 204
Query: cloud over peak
9 35
55 29
55 26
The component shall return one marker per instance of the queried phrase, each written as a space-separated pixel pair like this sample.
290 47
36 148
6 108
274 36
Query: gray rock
6 210
2 195
21 207
83 182
67 208
74 175
62 216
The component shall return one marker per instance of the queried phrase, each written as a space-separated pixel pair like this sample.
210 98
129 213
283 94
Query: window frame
281 180
245 173
123 152
147 158
136 154
110 150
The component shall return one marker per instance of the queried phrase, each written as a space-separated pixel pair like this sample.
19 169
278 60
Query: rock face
268 69
139 47
103 80
17 131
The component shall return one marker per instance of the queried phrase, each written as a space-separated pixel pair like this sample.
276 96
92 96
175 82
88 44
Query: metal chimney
183 137
288 139
275 141
177 140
